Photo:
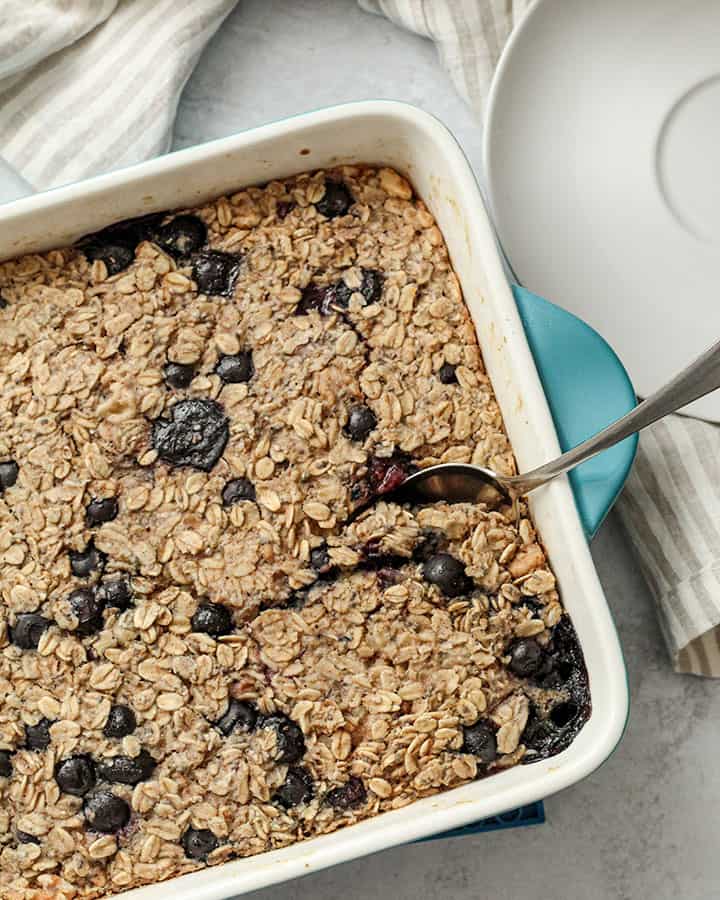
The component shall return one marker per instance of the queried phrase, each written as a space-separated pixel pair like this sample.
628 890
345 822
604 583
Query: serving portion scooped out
212 647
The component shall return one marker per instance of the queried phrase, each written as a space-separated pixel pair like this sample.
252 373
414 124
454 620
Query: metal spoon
458 482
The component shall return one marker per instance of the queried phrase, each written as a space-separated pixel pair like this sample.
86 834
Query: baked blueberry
28 629
182 236
24 838
447 574
76 774
88 609
235 368
431 542
106 813
85 562
3 302
237 489
195 434
563 713
479 739
5 764
101 510
120 722
199 843
322 297
348 795
320 559
296 789
115 256
215 272
239 716
178 375
446 373
213 619
115 245
8 474
526 657
116 593
127 769
37 737
290 741
361 422
371 285
385 474
284 207
336 200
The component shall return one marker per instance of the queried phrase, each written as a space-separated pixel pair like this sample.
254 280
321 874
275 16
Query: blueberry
5 764
284 207
8 474
290 741
216 272
385 474
85 562
76 775
115 245
447 574
320 559
347 796
213 619
322 297
37 737
239 716
237 489
99 511
115 256
336 200
3 302
526 657
431 542
199 843
235 368
178 375
371 285
116 593
120 722
361 422
182 236
564 713
446 373
106 813
127 769
195 434
24 838
28 629
88 609
296 789
479 739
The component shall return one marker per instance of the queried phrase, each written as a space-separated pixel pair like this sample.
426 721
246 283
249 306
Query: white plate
602 152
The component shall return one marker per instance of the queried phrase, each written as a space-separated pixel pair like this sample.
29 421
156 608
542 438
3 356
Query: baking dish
408 139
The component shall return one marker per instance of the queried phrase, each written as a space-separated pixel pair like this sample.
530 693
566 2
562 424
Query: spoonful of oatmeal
463 482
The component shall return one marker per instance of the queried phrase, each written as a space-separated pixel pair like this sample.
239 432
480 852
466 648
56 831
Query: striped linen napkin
65 63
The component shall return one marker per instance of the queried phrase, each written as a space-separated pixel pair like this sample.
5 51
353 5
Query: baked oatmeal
213 642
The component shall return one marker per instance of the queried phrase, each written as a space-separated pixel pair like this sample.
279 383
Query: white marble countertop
645 824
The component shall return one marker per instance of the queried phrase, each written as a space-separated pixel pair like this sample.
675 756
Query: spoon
463 482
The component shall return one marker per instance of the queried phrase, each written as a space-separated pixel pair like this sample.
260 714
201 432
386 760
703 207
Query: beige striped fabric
671 507
92 85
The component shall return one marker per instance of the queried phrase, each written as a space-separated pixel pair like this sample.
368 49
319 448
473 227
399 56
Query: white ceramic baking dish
417 144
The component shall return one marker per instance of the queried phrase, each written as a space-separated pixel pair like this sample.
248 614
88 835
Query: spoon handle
699 378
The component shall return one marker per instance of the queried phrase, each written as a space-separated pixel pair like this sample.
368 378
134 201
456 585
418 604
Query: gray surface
643 826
